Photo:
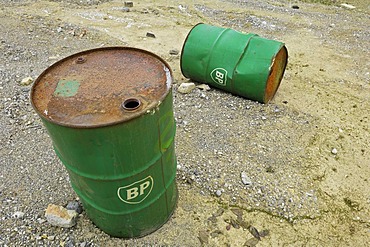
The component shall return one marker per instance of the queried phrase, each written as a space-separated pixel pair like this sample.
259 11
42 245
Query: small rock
41 221
174 52
348 6
51 238
186 87
69 243
254 232
203 237
59 29
74 205
129 4
295 7
26 81
264 233
334 151
252 242
245 179
125 9
85 244
204 87
218 193
59 216
18 215
150 35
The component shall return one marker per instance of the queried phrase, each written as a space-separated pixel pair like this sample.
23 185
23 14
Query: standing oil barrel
243 64
110 116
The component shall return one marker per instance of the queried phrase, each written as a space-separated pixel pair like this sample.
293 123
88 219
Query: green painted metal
124 172
243 64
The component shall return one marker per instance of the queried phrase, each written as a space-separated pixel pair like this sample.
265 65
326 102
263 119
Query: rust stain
277 69
107 77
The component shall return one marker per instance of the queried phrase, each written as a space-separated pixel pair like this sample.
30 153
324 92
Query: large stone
186 87
59 216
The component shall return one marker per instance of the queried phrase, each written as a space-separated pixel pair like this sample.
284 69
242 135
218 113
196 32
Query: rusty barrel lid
100 87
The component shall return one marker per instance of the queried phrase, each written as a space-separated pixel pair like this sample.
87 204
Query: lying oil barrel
243 64
109 114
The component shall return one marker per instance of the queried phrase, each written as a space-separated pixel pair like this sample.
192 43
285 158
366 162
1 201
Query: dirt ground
306 152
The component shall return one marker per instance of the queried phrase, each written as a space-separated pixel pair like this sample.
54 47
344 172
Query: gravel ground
295 169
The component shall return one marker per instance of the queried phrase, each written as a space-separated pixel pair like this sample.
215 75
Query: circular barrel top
100 87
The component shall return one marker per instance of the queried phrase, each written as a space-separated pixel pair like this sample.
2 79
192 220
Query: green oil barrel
243 64
109 114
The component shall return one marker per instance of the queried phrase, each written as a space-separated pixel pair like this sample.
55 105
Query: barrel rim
134 115
183 47
272 81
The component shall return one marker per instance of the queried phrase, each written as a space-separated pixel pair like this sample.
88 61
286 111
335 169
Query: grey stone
218 193
74 205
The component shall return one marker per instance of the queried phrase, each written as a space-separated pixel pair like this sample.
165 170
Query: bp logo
136 192
219 75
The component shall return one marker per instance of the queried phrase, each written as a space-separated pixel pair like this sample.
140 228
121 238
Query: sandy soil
306 152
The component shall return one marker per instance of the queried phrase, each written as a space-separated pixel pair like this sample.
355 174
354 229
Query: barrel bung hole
131 104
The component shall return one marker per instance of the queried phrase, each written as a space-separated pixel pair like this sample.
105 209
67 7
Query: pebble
204 87
129 4
186 87
334 151
150 35
125 9
41 221
174 52
26 81
59 216
348 6
18 215
295 7
218 193
245 179
51 238
74 205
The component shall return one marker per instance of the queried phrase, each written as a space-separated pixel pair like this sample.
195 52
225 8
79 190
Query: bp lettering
136 192
219 76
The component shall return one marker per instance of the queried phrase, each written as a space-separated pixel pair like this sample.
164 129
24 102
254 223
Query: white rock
245 179
26 81
334 151
348 6
18 215
59 216
186 87
218 193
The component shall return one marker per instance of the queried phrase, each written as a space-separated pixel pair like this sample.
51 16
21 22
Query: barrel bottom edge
137 224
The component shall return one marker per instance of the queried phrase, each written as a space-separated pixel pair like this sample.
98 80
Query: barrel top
100 87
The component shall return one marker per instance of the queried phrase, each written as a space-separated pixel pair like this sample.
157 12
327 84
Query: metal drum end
276 74
131 104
